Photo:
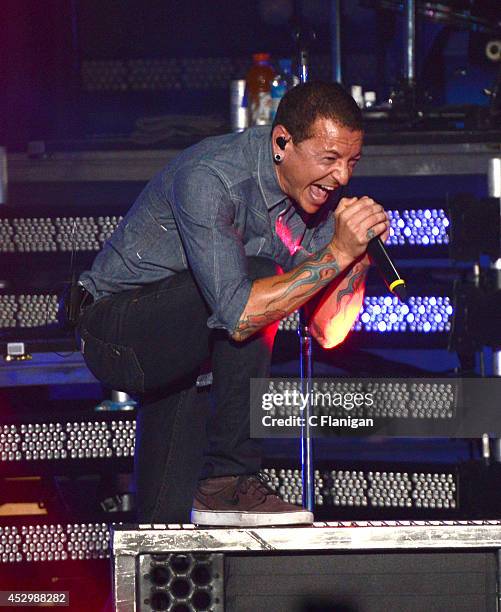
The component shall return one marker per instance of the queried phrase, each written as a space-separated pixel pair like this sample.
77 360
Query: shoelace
259 483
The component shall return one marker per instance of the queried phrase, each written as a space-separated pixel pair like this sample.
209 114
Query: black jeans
152 341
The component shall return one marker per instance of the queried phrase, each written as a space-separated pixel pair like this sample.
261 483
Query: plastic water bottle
258 83
281 84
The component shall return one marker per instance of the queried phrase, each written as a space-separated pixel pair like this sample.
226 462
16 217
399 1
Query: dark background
45 46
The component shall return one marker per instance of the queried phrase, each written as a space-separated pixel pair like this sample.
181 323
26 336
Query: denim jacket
215 204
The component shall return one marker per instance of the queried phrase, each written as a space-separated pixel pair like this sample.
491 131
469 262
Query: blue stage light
418 227
421 314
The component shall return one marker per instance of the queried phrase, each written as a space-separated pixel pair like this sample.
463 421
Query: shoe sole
250 519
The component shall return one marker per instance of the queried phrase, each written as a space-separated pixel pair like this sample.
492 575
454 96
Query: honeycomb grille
181 582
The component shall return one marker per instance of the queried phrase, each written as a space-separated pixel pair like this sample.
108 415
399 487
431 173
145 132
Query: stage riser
414 582
298 582
436 566
390 582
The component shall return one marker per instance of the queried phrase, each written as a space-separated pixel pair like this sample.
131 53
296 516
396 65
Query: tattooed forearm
309 277
339 308
355 279
273 298
247 326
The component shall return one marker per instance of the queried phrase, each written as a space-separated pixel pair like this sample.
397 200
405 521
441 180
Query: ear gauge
281 142
278 158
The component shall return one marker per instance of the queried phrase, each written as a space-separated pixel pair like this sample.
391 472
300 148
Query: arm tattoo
307 279
355 279
310 276
249 324
339 307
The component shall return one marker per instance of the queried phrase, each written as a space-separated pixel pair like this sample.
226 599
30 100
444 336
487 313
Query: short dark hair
304 104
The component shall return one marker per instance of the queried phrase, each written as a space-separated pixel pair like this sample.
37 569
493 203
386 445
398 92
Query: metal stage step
364 566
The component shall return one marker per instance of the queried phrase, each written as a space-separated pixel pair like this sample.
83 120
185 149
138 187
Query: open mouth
320 192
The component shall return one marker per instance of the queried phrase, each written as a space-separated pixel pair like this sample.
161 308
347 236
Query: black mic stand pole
305 371
305 339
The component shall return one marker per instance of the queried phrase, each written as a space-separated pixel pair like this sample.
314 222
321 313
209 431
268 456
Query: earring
278 158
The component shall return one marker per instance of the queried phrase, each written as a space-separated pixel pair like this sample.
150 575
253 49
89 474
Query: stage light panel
420 314
421 227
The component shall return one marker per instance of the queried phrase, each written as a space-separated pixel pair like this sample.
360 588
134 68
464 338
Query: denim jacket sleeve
204 212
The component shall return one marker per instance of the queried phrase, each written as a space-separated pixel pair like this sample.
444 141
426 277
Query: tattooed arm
339 307
274 297
341 302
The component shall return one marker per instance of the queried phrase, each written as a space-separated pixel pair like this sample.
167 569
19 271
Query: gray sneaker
243 501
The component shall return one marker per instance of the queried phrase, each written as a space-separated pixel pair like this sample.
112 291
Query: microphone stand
302 37
305 370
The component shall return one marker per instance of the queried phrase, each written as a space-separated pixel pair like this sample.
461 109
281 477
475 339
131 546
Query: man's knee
262 267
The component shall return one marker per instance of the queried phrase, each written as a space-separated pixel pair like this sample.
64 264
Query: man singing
234 234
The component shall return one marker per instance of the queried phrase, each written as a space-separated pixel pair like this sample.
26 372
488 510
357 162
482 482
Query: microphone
386 267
